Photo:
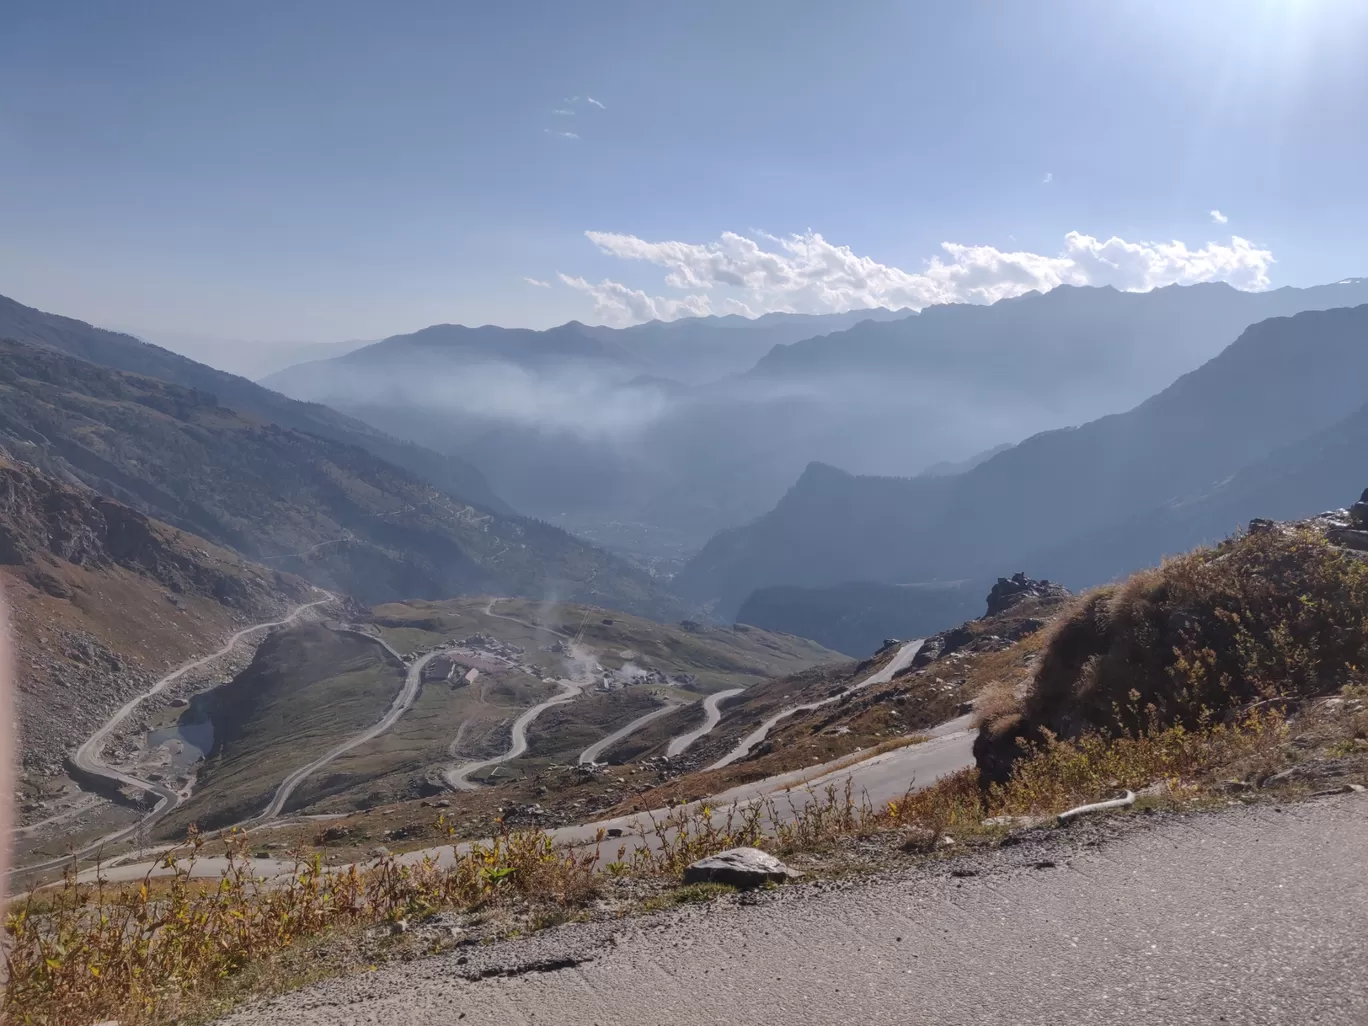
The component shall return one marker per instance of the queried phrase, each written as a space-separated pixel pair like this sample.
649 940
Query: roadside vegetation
1229 674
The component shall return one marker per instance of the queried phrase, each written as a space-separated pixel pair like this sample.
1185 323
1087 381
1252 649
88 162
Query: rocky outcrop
1010 590
1358 512
79 657
739 867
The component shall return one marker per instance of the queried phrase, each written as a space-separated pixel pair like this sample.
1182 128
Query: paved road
89 759
458 777
899 661
592 753
413 682
880 778
1250 917
711 715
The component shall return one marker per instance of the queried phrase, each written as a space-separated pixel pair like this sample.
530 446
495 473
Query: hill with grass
1274 618
313 686
332 512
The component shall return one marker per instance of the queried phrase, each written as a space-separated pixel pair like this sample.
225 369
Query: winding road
489 611
458 777
88 757
712 715
899 661
591 754
413 682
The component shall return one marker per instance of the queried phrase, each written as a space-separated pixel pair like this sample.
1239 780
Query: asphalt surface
592 753
901 659
712 715
1252 916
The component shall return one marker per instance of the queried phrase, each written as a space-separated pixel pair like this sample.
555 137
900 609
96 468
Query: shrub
1276 615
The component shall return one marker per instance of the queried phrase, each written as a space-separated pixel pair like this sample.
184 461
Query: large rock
1010 590
739 867
1358 512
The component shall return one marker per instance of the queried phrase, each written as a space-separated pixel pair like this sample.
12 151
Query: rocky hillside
980 664
1269 617
103 599
332 512
124 352
1283 382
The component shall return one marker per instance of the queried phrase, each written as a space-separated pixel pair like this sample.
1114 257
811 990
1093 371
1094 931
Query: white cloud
563 112
618 304
590 99
560 135
1218 218
807 274
537 282
1049 177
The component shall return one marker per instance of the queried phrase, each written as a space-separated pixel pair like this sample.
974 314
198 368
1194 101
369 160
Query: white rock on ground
739 867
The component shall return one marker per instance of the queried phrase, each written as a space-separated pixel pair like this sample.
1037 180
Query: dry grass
1208 667
1267 615
164 951
150 953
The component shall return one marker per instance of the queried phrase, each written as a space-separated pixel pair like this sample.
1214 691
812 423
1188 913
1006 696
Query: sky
319 171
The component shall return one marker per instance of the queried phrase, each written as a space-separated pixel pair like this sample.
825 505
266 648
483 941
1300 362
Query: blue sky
339 170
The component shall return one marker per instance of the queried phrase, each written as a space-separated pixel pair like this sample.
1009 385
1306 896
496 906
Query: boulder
739 867
1358 512
1010 590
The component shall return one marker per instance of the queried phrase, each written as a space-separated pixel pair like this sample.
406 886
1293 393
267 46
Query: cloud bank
805 273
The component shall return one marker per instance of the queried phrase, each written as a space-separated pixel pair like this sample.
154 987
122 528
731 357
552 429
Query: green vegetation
308 688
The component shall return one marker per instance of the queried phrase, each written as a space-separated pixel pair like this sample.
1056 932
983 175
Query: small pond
187 742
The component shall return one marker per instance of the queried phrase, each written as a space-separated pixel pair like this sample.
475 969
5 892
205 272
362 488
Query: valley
335 716
768 513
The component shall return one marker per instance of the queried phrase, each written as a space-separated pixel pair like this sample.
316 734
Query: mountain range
593 427
293 485
1273 425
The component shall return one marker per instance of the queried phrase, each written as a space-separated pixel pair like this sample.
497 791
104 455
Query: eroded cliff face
103 599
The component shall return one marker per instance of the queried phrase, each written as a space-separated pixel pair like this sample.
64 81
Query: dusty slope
103 599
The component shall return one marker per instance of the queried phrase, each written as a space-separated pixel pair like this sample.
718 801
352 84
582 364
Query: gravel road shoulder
1247 915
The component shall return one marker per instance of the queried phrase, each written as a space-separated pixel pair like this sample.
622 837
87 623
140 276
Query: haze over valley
499 509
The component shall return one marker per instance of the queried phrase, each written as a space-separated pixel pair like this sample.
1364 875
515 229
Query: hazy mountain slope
691 350
856 618
1283 380
333 512
576 424
102 598
124 352
1307 477
1128 344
